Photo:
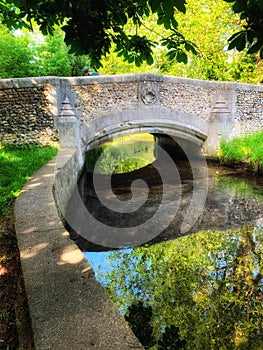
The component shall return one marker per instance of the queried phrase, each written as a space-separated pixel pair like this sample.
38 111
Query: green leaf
174 23
154 4
239 41
251 35
137 61
160 20
190 47
168 9
237 7
167 23
181 57
180 5
120 53
255 48
243 16
149 60
171 54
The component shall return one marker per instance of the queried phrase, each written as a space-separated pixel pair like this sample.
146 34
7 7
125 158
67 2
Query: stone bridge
68 308
81 111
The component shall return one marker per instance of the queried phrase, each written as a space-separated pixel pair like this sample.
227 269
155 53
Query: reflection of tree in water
205 289
121 155
170 339
139 318
138 315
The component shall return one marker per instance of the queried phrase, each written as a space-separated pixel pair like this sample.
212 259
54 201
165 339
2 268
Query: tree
53 57
207 24
91 26
16 59
27 54
251 22
139 315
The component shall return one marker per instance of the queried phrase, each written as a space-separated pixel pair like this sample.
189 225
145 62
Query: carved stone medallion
149 92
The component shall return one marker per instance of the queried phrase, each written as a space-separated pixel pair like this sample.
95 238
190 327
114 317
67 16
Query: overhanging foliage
91 26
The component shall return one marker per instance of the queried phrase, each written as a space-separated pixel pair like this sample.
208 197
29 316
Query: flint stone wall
26 111
43 110
98 98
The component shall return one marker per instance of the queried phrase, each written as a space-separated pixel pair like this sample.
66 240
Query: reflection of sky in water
102 267
100 263
104 263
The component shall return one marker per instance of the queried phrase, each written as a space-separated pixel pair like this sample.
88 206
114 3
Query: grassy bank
17 164
247 149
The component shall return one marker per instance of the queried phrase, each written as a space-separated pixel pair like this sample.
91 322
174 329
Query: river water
200 288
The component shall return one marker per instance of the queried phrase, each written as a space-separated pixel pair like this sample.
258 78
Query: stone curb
69 309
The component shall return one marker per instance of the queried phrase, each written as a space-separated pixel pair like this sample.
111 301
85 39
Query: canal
194 288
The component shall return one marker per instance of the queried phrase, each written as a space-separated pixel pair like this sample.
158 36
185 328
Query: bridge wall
73 110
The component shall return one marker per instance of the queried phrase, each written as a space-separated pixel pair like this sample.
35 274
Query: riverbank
12 321
17 164
246 151
15 329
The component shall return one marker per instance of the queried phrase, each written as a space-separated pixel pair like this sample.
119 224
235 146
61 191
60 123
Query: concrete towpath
68 307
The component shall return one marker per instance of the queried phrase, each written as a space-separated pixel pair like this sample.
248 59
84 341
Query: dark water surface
202 289
232 200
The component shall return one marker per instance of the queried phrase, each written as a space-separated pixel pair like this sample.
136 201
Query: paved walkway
68 307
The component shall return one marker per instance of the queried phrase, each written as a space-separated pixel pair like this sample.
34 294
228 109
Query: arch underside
153 120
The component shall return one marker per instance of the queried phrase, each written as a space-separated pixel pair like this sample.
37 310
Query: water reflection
121 155
201 291
232 201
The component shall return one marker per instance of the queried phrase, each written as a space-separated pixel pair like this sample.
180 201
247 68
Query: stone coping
119 78
69 308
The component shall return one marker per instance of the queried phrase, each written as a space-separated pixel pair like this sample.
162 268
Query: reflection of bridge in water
231 202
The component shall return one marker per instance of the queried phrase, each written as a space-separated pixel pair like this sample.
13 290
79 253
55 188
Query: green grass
247 149
17 164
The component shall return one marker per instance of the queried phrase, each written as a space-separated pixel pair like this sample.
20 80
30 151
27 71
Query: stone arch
155 120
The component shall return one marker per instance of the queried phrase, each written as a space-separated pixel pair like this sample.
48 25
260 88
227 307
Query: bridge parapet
33 107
